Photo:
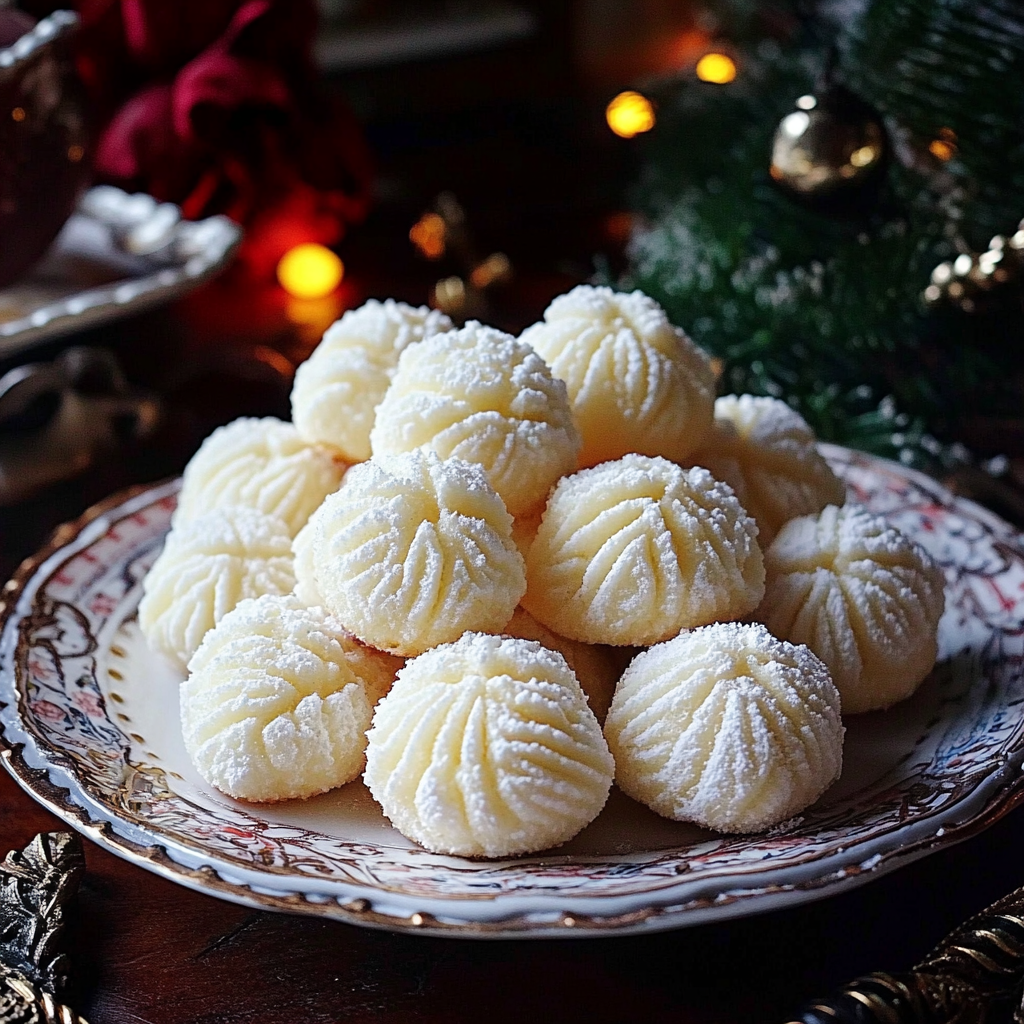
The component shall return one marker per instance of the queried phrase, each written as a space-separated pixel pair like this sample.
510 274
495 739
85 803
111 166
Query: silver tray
116 255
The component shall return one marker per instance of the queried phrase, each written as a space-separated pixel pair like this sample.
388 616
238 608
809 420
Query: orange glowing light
629 114
310 271
944 147
429 234
716 67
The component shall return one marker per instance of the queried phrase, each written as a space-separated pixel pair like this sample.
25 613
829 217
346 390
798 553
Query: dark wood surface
148 950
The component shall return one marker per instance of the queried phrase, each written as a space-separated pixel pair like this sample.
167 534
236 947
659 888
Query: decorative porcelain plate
89 727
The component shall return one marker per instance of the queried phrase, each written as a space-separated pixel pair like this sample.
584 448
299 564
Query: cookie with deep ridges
278 701
479 395
412 551
767 453
262 464
338 388
726 726
860 594
630 552
207 567
486 748
636 383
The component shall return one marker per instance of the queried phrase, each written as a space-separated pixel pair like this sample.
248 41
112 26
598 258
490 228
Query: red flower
89 703
44 709
216 105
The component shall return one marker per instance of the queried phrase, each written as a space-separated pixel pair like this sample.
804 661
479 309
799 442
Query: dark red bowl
44 162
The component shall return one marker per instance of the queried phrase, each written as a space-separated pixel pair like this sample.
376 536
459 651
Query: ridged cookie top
262 464
767 453
412 551
486 748
632 551
338 388
278 701
594 666
478 394
207 566
636 383
863 596
726 726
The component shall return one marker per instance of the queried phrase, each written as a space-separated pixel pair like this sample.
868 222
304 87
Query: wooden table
147 950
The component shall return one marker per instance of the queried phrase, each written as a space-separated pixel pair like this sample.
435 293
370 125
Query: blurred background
826 195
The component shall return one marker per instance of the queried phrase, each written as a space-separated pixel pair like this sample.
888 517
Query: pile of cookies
443 568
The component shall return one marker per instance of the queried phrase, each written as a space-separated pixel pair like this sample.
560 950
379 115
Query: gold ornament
968 281
829 145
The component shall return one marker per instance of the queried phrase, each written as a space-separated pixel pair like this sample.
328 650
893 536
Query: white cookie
636 383
478 394
726 726
486 748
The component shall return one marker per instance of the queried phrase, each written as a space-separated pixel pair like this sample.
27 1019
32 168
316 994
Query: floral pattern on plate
90 728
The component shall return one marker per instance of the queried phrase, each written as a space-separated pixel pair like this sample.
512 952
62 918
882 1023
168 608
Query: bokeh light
945 146
716 67
429 234
629 114
310 271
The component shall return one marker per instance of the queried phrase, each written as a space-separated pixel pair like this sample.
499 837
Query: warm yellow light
717 68
942 150
629 114
310 271
429 235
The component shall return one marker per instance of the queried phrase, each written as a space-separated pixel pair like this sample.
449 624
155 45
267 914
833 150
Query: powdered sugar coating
261 464
338 388
486 748
207 566
767 453
594 665
412 551
278 701
478 394
636 383
726 726
860 594
632 551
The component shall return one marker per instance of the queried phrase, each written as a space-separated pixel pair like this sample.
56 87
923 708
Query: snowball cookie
412 551
726 726
337 390
478 394
278 702
766 452
207 567
594 665
636 383
863 596
261 464
630 552
486 748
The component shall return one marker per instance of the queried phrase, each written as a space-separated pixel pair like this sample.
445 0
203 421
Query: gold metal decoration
831 143
968 281
36 885
976 970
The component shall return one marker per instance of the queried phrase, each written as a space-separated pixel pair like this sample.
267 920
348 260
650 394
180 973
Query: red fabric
215 104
